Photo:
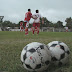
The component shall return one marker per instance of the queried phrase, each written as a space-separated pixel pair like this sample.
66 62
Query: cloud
55 15
51 14
15 18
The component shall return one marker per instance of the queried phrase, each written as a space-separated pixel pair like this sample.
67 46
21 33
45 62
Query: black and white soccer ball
35 56
60 52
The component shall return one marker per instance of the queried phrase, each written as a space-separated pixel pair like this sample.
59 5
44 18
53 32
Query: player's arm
33 17
30 15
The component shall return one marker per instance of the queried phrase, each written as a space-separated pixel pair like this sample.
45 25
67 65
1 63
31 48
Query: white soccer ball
35 56
59 51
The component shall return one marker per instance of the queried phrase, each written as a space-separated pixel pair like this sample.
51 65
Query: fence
52 29
44 29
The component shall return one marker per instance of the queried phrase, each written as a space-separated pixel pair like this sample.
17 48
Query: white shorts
26 23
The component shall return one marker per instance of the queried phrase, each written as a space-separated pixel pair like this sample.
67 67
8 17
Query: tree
69 22
9 24
6 24
46 22
59 24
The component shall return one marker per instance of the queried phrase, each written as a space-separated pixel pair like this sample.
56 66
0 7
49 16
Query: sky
53 10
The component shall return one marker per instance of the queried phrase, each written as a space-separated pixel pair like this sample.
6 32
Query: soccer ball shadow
57 68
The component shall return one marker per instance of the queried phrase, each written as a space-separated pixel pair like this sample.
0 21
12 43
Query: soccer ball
59 51
35 56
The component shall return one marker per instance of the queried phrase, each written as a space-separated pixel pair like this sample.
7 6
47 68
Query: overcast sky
53 10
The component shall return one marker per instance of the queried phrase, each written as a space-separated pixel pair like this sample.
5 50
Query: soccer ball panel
45 55
65 59
25 48
34 45
28 54
32 61
65 46
53 43
56 52
48 51
24 56
27 67
32 50
22 53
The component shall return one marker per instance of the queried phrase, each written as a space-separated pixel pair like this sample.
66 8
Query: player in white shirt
36 22
66 29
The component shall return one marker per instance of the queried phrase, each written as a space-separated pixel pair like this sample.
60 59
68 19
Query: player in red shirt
21 26
28 16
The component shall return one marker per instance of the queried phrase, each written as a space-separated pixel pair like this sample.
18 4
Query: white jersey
38 17
66 28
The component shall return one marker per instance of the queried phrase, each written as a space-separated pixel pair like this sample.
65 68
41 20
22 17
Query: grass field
12 43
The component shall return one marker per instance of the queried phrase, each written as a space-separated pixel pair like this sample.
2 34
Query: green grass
12 43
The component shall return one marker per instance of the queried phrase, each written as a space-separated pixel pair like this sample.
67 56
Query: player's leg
26 28
38 28
33 28
66 30
20 28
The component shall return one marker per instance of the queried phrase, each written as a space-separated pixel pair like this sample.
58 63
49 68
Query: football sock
26 31
33 31
38 32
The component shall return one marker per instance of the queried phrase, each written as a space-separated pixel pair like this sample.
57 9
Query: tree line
47 23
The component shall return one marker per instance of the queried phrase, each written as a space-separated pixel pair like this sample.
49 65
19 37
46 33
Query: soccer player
28 16
21 26
36 22
66 29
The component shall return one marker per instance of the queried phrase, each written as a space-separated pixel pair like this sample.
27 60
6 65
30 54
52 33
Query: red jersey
21 23
28 16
